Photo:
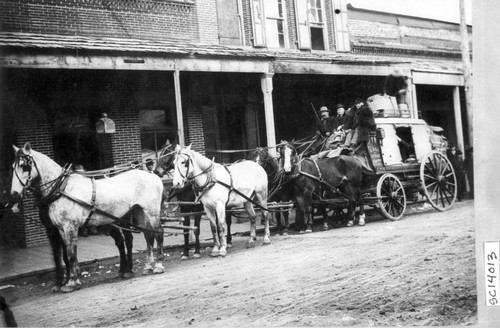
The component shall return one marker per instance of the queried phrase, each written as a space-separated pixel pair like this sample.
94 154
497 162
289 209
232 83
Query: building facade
219 74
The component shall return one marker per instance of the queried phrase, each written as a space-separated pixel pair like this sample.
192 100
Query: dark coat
364 122
340 120
327 125
349 120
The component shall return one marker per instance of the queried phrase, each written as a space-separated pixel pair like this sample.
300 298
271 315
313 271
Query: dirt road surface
416 271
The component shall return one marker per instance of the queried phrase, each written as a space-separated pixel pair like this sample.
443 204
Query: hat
340 106
358 100
149 161
324 109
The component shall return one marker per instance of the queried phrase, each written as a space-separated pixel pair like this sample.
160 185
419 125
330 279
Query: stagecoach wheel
391 197
438 180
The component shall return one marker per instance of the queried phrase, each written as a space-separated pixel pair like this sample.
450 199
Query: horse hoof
68 289
309 231
56 289
250 244
196 255
350 223
215 253
229 245
127 275
184 257
223 253
158 268
302 232
147 272
361 223
284 233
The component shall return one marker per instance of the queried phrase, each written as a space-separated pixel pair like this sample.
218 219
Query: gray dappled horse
133 195
212 181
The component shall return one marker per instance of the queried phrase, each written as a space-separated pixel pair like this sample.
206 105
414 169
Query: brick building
220 74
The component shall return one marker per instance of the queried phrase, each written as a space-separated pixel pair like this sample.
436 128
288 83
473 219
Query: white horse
218 187
134 194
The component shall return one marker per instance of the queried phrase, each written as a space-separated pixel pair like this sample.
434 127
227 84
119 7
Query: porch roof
71 42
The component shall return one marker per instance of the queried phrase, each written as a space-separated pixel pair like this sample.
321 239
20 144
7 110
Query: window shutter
340 25
229 22
303 33
258 18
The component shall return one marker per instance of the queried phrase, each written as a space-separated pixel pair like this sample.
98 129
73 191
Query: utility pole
464 47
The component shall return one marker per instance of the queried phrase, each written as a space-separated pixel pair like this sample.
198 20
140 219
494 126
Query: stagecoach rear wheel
391 197
438 180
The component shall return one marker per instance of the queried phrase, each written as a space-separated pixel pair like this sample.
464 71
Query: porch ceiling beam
134 63
328 68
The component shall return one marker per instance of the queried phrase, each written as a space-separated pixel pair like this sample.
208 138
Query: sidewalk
24 262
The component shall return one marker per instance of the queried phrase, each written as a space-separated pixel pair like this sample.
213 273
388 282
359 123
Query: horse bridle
189 177
26 167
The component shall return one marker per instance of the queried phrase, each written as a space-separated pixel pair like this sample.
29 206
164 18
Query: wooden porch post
178 107
266 83
458 119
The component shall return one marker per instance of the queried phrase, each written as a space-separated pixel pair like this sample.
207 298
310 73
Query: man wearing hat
327 123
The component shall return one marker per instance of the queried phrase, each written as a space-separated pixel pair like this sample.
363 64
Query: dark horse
187 194
280 186
339 177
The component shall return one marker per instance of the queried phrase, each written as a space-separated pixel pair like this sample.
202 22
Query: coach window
269 23
311 24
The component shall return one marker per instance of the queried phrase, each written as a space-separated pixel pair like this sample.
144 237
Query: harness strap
319 179
92 204
111 216
231 180
245 197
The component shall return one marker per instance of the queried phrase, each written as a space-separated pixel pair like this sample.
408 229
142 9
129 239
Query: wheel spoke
431 171
431 184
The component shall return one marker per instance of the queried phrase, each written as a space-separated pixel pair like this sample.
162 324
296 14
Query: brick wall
140 19
193 123
33 127
206 12
126 142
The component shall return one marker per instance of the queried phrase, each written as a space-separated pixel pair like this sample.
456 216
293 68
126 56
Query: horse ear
178 147
189 147
15 148
27 147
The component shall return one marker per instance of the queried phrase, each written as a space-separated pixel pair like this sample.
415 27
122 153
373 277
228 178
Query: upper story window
340 27
268 18
311 25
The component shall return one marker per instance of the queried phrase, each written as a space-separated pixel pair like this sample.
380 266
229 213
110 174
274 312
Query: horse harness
58 190
212 180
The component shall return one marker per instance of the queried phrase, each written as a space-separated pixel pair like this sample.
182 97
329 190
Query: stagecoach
404 161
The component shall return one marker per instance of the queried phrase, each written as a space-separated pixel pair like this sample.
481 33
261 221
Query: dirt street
417 271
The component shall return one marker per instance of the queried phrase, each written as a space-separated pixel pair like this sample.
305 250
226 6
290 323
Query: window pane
317 40
272 8
275 35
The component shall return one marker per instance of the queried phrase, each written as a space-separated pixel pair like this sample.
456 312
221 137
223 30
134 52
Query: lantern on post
105 125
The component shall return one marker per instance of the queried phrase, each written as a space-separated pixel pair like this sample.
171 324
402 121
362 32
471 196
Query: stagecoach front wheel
438 180
391 197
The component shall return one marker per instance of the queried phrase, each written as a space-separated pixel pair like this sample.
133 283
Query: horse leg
262 198
361 208
70 238
129 264
57 247
299 216
287 224
222 225
229 221
197 253
150 259
212 216
324 210
56 244
120 244
159 244
185 253
308 211
251 218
